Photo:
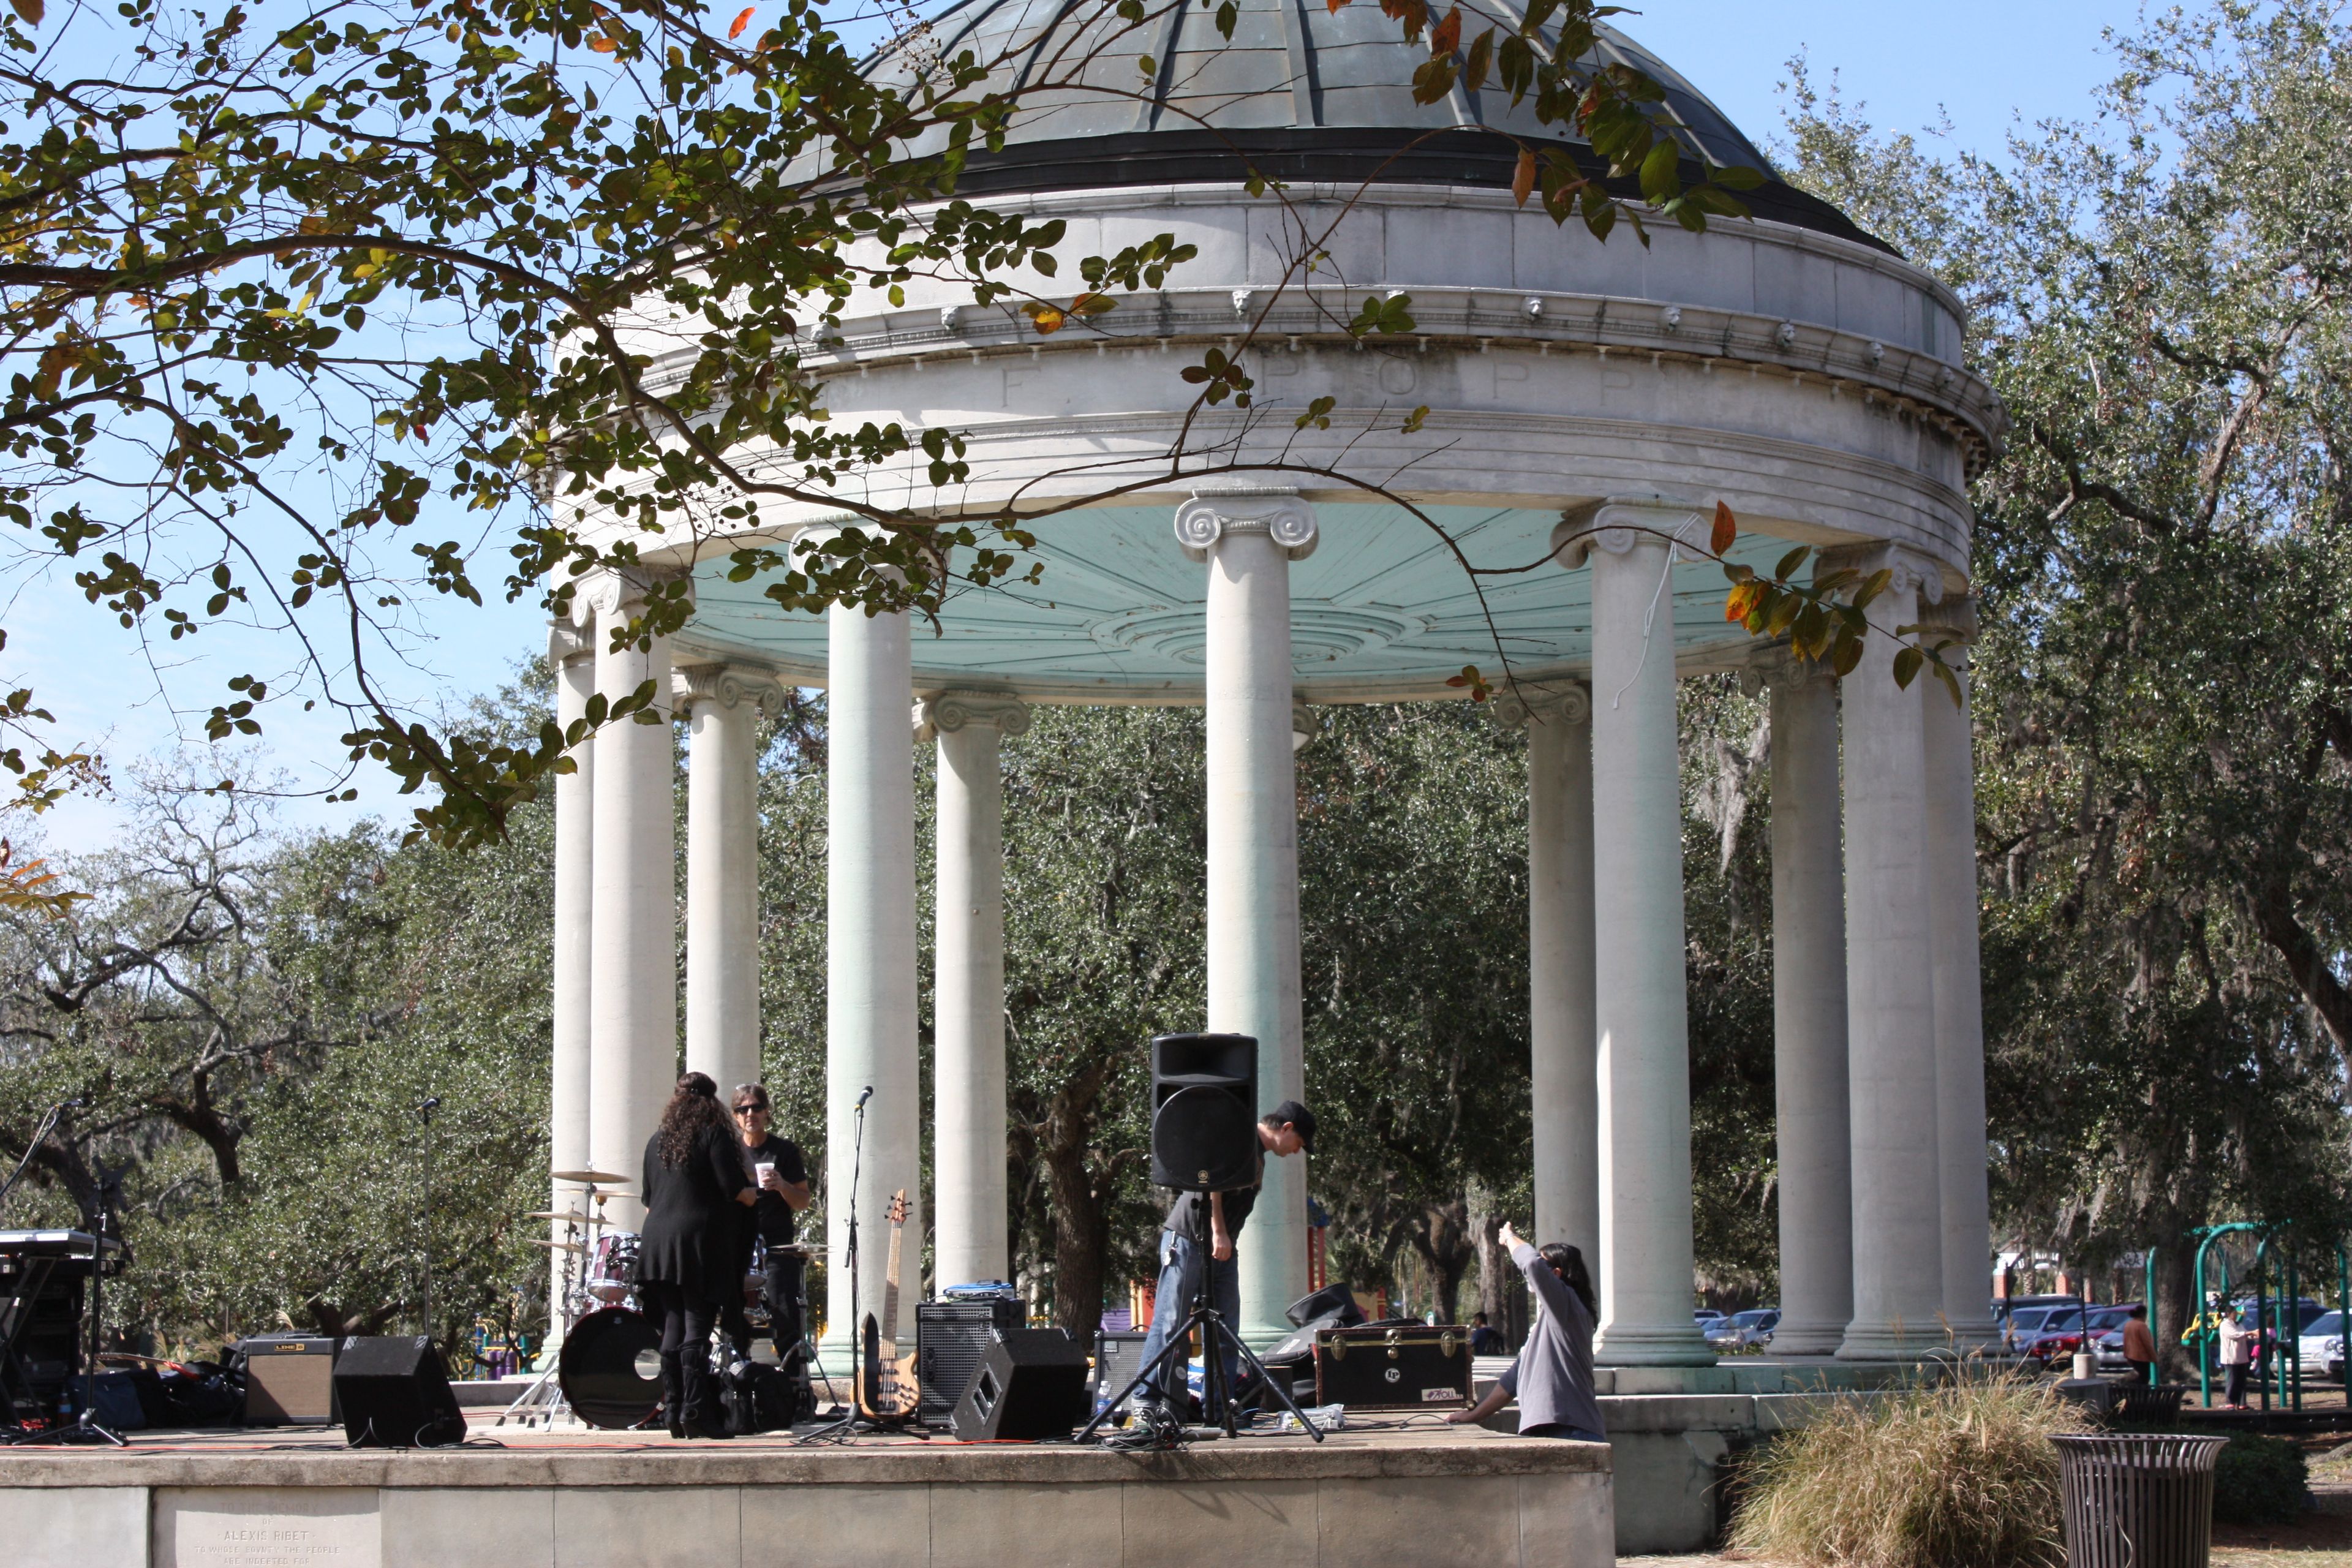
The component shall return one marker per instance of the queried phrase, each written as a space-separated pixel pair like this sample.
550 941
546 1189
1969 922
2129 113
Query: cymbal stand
543 1403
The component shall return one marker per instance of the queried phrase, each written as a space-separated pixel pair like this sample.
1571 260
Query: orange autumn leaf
1726 529
1742 600
1447 37
741 22
1523 178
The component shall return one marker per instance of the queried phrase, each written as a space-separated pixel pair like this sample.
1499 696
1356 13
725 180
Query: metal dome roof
1301 92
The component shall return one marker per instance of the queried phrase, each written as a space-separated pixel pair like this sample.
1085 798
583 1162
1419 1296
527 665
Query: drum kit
608 1372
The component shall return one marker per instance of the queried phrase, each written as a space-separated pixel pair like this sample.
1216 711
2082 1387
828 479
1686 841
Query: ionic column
968 1155
723 708
1642 1028
1898 1266
1561 1036
1951 850
1248 542
870 964
1809 1048
633 979
574 659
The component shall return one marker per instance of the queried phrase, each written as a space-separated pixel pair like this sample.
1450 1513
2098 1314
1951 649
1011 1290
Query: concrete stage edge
1422 1497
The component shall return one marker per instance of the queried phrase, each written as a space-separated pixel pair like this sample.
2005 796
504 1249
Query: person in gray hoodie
1552 1377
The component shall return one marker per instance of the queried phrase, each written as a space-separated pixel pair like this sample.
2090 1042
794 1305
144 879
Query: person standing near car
2139 1346
2237 1342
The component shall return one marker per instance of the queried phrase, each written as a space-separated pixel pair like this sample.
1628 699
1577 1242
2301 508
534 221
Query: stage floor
1388 1489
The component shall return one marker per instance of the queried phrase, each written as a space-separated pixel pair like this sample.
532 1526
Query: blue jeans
1180 1259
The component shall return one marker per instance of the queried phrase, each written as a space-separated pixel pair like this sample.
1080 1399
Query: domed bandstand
1588 404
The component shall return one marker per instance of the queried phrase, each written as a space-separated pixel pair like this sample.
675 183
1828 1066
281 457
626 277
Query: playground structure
2276 1311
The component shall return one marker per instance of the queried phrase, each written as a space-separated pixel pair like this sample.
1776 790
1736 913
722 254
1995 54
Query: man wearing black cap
1282 1132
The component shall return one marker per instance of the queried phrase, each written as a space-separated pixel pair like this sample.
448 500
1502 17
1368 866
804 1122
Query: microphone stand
848 1421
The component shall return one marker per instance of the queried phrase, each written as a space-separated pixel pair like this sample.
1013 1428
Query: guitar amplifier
1394 1366
1118 1358
289 1380
952 1339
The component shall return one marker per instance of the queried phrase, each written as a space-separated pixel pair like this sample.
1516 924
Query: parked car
1742 1329
1704 1315
2304 1313
2061 1334
2322 1346
2024 1322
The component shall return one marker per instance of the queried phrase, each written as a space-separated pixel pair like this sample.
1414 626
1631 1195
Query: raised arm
1551 1289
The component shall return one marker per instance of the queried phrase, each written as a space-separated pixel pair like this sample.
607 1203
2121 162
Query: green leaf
1908 661
1792 561
1662 171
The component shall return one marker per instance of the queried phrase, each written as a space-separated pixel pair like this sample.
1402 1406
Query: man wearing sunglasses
782 1175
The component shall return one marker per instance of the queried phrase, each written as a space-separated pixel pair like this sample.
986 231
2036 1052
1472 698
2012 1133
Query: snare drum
612 1268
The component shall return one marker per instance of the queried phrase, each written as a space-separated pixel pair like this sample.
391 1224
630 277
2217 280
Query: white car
2322 1346
1744 1329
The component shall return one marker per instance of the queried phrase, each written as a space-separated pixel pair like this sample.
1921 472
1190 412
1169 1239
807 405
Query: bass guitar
886 1389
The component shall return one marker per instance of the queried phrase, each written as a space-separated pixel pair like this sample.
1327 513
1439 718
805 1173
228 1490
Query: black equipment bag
1404 1367
760 1398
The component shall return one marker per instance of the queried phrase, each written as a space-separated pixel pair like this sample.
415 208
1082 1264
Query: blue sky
1988 66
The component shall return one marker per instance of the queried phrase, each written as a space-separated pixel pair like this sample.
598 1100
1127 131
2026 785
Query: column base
1820 1337
1978 1336
1651 1345
1892 1340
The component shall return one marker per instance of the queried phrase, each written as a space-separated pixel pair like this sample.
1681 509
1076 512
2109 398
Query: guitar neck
890 1292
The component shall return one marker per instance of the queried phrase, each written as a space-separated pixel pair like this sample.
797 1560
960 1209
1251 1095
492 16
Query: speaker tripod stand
1216 1337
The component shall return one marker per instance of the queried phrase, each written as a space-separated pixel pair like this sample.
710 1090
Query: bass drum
610 1368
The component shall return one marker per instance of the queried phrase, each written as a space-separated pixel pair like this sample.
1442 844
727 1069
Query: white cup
760 1171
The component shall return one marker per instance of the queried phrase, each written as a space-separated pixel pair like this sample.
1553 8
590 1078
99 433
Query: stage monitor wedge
395 1393
1031 1385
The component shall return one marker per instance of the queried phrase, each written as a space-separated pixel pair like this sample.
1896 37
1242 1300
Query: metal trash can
2138 1500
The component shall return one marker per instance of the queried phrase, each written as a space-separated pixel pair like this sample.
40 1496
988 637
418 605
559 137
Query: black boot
673 1396
705 1418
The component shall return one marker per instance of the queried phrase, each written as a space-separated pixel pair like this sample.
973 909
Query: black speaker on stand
1203 1113
395 1393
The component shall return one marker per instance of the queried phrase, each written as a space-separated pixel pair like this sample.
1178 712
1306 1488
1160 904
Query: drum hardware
546 1399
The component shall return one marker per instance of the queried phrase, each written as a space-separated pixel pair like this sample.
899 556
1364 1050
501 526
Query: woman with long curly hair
693 1182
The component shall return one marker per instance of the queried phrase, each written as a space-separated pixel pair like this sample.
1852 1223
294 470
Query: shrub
1956 1475
2258 1480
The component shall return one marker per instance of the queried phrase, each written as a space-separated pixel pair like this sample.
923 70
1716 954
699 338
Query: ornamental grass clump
1960 1474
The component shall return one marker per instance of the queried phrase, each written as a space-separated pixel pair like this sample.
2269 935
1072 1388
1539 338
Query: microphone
868 1095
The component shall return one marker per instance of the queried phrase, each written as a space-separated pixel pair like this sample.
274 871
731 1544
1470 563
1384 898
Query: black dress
689 1238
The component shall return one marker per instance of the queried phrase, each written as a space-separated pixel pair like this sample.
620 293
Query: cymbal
557 1246
573 1214
599 1177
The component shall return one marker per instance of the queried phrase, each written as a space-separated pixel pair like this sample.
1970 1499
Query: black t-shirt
772 1218
1183 1221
